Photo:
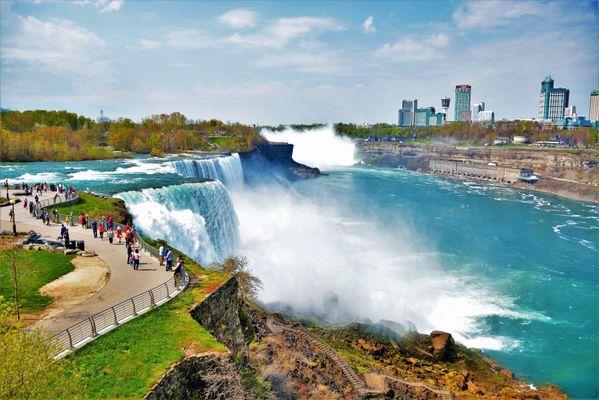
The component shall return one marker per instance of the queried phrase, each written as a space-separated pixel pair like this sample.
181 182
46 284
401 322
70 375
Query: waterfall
196 218
225 169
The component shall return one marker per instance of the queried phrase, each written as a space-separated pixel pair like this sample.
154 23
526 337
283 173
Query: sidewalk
124 282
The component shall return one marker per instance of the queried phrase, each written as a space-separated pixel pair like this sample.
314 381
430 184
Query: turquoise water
514 273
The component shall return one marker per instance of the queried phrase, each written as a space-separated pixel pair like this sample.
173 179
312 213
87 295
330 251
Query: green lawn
230 143
96 207
126 362
36 268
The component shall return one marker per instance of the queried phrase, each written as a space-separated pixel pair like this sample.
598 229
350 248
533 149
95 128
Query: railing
98 324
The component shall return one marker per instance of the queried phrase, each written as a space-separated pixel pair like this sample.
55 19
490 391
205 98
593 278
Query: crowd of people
102 228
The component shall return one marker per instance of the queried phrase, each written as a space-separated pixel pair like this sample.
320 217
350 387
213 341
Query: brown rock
443 345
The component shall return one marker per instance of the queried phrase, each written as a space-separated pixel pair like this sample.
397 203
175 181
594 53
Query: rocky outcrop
443 346
274 161
219 314
210 376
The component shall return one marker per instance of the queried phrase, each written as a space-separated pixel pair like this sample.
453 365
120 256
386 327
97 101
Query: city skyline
272 63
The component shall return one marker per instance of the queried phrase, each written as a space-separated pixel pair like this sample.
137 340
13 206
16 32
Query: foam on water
225 169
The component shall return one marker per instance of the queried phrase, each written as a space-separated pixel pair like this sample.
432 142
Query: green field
230 143
35 269
96 207
126 362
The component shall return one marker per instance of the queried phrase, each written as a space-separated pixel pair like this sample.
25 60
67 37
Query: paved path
124 282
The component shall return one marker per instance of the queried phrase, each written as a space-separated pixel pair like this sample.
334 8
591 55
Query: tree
28 368
249 285
10 256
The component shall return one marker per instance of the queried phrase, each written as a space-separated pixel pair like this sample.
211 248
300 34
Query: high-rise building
570 112
445 104
486 116
407 113
422 116
462 103
476 108
594 106
552 101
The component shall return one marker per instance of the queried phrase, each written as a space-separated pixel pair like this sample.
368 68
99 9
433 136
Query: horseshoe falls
225 169
197 218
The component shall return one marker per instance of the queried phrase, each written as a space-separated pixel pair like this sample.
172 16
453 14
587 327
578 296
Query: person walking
31 207
136 257
162 254
101 229
170 256
119 233
95 228
48 218
110 235
82 220
129 252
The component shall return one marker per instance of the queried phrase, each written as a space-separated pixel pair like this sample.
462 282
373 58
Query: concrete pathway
124 282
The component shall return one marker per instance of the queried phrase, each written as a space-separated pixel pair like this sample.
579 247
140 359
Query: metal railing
106 320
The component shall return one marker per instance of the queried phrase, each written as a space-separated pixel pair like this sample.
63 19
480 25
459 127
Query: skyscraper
594 106
477 108
552 101
462 103
407 115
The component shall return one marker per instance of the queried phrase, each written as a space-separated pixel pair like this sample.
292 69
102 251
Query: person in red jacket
101 229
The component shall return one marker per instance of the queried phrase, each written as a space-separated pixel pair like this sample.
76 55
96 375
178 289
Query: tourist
82 220
25 203
31 207
129 251
55 198
162 254
71 220
95 228
110 235
170 256
109 223
179 264
55 212
119 233
37 199
101 229
136 257
48 216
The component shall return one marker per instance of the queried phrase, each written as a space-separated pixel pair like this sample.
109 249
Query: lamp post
14 224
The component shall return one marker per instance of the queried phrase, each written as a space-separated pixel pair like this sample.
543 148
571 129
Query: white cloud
239 18
492 13
303 62
411 48
149 44
190 38
368 25
109 5
283 30
58 46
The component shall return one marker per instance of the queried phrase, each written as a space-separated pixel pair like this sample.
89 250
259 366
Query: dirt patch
90 275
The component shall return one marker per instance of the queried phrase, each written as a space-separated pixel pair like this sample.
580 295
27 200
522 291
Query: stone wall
476 171
219 314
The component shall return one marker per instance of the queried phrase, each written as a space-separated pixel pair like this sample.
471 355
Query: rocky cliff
572 173
274 161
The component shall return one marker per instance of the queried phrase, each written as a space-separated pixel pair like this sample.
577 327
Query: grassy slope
126 362
96 207
230 143
37 268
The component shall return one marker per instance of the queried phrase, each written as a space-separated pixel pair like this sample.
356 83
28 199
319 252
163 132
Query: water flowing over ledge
225 169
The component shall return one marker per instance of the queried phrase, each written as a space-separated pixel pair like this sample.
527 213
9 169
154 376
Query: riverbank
569 173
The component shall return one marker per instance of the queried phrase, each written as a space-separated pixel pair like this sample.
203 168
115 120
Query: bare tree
249 285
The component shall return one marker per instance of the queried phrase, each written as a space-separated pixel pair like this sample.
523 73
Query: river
513 273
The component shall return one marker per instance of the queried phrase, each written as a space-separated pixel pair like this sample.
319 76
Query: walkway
124 282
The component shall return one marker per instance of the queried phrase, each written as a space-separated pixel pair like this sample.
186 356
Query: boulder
443 345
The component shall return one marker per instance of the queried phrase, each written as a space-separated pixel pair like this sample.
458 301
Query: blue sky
286 62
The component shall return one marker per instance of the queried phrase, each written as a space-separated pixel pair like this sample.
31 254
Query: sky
292 62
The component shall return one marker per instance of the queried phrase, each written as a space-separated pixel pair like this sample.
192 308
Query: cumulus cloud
102 5
281 31
368 25
149 44
57 46
239 18
492 13
411 48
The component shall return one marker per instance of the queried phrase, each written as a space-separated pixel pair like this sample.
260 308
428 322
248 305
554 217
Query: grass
128 361
230 143
96 207
37 268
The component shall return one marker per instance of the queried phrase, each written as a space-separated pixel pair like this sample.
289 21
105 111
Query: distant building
407 115
486 116
462 103
502 140
476 108
423 115
570 112
552 101
521 140
594 106
437 119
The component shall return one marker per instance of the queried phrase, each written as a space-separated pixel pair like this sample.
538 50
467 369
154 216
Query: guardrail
106 320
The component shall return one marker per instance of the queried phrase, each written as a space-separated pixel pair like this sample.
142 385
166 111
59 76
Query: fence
98 324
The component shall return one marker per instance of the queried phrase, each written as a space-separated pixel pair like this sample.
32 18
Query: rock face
209 376
274 161
443 345
219 314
